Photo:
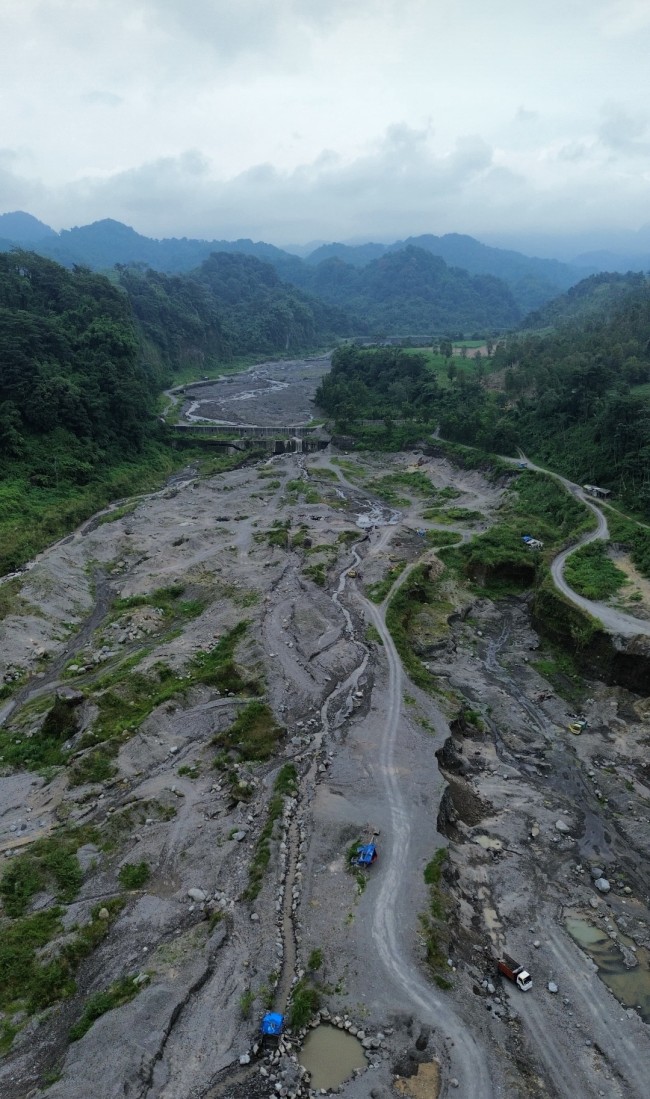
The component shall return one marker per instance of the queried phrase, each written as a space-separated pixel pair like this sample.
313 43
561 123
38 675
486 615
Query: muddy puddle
630 986
331 1056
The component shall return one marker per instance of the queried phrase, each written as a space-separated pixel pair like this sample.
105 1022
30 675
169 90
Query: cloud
17 192
101 99
625 131
625 17
525 117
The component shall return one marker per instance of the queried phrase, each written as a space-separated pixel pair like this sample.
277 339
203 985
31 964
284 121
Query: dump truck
516 973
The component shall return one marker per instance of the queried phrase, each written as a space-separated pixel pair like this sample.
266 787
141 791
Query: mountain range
105 243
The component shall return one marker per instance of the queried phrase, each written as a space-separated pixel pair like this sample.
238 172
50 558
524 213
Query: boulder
602 885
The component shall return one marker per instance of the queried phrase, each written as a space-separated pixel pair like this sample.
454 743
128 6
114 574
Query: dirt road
613 620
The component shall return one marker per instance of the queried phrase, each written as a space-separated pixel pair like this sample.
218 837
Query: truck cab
516 973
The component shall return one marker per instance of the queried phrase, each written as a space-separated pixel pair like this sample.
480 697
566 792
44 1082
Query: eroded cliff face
617 661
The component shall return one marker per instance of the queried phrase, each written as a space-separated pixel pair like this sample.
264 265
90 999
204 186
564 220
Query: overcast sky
300 120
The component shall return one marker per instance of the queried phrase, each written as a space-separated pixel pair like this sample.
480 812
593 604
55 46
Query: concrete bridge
284 436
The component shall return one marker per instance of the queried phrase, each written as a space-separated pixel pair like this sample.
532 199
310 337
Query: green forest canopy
577 397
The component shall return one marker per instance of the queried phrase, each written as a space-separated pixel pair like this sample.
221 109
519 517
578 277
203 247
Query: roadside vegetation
498 561
575 397
417 616
378 591
592 573
631 536
433 922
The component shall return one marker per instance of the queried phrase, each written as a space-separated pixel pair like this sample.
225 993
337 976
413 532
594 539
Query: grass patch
286 782
123 707
315 960
246 1001
317 573
440 538
29 984
45 747
373 634
49 863
116 513
277 535
95 766
10 601
452 515
560 670
253 735
592 574
168 600
119 993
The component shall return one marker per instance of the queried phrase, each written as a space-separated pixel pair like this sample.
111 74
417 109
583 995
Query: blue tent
273 1024
366 854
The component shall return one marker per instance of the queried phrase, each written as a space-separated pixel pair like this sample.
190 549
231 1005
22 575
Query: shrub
133 875
305 1002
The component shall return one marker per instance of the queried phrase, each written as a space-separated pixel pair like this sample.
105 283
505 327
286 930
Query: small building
532 543
599 493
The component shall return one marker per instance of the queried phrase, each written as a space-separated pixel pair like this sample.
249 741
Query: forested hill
69 364
578 397
411 291
231 305
531 281
597 296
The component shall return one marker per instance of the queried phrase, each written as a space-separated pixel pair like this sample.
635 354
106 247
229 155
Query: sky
294 121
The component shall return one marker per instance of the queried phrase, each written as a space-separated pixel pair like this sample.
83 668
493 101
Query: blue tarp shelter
366 854
272 1024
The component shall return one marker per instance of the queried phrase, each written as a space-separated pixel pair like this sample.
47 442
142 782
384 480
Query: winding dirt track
468 1062
615 621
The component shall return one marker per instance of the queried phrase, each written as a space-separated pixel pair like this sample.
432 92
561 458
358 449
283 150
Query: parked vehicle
516 973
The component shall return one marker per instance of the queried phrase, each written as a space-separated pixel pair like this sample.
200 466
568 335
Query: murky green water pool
630 986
